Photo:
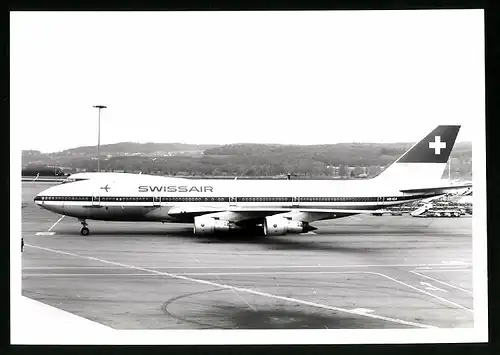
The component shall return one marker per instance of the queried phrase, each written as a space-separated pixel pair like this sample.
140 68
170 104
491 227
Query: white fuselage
152 198
279 206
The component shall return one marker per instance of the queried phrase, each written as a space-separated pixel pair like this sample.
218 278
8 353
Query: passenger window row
194 199
64 198
219 199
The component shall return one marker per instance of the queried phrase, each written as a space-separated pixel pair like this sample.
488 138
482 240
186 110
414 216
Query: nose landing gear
84 231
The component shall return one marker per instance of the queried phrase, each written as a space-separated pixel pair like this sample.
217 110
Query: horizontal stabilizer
440 189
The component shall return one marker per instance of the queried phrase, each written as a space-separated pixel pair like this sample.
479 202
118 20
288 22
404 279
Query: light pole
99 137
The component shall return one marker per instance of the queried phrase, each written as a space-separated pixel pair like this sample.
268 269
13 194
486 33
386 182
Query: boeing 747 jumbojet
278 206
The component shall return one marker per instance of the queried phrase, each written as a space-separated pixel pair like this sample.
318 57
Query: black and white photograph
248 177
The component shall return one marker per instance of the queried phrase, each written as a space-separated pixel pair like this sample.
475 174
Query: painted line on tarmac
444 266
45 233
445 270
362 310
269 273
86 275
236 292
55 224
442 282
422 291
438 269
455 262
223 286
258 267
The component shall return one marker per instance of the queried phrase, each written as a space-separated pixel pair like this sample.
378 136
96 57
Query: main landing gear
84 231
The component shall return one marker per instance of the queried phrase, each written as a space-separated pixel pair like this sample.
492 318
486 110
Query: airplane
274 207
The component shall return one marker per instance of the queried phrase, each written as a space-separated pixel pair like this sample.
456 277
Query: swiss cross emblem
437 145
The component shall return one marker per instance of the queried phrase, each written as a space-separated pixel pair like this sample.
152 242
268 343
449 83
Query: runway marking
55 224
446 270
428 286
236 292
362 310
259 293
442 282
45 233
425 292
455 262
211 274
240 267
440 268
86 275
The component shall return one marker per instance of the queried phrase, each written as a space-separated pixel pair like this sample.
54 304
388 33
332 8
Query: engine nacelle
207 225
279 226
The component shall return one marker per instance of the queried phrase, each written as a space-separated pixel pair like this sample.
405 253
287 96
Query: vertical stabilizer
425 160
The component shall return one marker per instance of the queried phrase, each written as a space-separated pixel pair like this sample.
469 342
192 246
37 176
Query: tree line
266 160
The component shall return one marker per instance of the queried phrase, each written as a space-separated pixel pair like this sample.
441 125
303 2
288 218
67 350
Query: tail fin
425 160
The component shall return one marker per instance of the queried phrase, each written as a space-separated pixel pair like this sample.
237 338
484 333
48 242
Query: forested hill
353 154
344 159
131 148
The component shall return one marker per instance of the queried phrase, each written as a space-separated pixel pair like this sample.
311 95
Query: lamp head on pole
100 106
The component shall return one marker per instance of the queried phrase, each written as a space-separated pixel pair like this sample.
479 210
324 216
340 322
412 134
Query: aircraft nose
50 199
39 199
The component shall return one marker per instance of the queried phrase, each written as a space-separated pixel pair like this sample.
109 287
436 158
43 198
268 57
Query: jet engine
279 226
207 225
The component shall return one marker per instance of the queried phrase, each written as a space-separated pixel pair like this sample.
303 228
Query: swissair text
176 188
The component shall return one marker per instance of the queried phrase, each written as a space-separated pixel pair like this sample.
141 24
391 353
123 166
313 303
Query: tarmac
355 272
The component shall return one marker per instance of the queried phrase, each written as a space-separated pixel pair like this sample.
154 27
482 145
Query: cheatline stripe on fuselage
232 199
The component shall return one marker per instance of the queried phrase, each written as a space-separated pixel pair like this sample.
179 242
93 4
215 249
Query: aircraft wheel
84 231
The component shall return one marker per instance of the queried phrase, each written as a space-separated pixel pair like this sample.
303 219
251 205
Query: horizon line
225 144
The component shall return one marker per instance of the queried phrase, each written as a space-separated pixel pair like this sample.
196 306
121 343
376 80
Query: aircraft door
156 201
232 201
295 202
96 200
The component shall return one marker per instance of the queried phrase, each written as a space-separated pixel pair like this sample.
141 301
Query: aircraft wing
303 210
255 212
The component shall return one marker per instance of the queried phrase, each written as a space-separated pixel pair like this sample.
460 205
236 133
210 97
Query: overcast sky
229 77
